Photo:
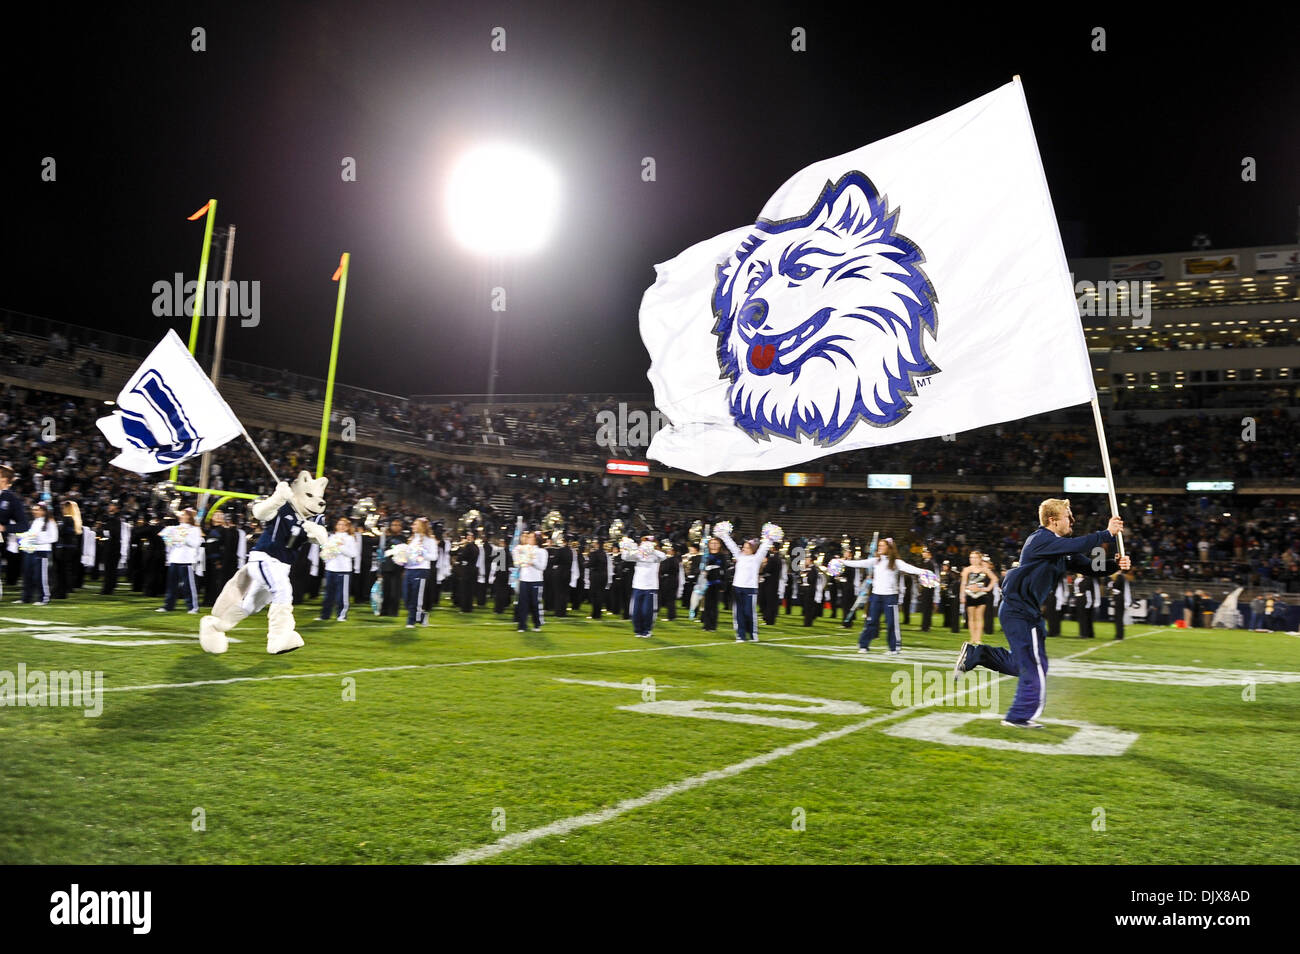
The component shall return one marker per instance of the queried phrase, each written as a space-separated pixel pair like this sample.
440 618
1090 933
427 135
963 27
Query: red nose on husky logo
760 356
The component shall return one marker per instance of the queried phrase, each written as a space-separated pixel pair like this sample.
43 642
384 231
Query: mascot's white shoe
280 635
212 639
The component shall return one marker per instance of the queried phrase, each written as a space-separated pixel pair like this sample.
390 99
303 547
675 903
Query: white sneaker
1027 724
862 652
739 640
193 612
960 666
161 609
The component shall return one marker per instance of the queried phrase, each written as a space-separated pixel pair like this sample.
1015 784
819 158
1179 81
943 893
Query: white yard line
566 825
410 667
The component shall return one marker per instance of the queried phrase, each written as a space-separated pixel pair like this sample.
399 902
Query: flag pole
258 451
340 276
210 210
1096 407
1105 464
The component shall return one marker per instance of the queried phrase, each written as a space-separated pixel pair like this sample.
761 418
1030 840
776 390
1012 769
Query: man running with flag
1049 553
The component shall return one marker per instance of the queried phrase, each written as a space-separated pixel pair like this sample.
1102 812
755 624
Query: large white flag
168 412
911 288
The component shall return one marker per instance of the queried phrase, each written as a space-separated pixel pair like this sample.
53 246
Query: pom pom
773 533
626 544
400 554
27 541
835 567
331 549
722 528
929 578
646 547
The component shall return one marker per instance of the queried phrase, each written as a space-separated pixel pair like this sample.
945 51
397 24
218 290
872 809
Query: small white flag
168 412
911 288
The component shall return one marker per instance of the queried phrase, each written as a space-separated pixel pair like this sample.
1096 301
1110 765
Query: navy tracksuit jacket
1044 559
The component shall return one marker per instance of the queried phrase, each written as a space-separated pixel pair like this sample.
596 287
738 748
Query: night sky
1142 146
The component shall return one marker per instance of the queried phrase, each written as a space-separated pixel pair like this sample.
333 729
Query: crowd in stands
55 447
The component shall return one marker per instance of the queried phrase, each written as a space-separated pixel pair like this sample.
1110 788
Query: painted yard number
937 727
726 711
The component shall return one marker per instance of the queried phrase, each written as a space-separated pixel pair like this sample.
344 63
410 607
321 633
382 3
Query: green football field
464 741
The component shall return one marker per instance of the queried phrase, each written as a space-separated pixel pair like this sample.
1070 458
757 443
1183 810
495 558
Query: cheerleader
36 543
421 549
977 581
67 551
748 560
991 615
183 542
884 595
645 584
341 552
531 560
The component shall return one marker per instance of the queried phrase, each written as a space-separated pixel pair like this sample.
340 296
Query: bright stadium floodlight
502 200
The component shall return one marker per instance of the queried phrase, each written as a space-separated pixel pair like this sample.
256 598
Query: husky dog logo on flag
167 412
821 319
165 429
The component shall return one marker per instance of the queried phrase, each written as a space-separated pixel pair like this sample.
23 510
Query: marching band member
806 581
575 576
596 574
670 572
467 555
501 567
690 576
848 589
1055 604
929 595
769 586
712 564
67 550
1085 601
1123 595
183 542
442 569
13 522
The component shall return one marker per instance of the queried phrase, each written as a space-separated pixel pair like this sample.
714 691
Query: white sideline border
566 825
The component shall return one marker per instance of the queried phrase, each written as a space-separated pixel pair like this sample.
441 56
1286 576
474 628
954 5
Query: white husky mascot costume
292 515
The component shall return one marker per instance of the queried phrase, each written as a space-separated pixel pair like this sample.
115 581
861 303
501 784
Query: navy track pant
413 583
744 610
1027 658
881 605
645 603
336 594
